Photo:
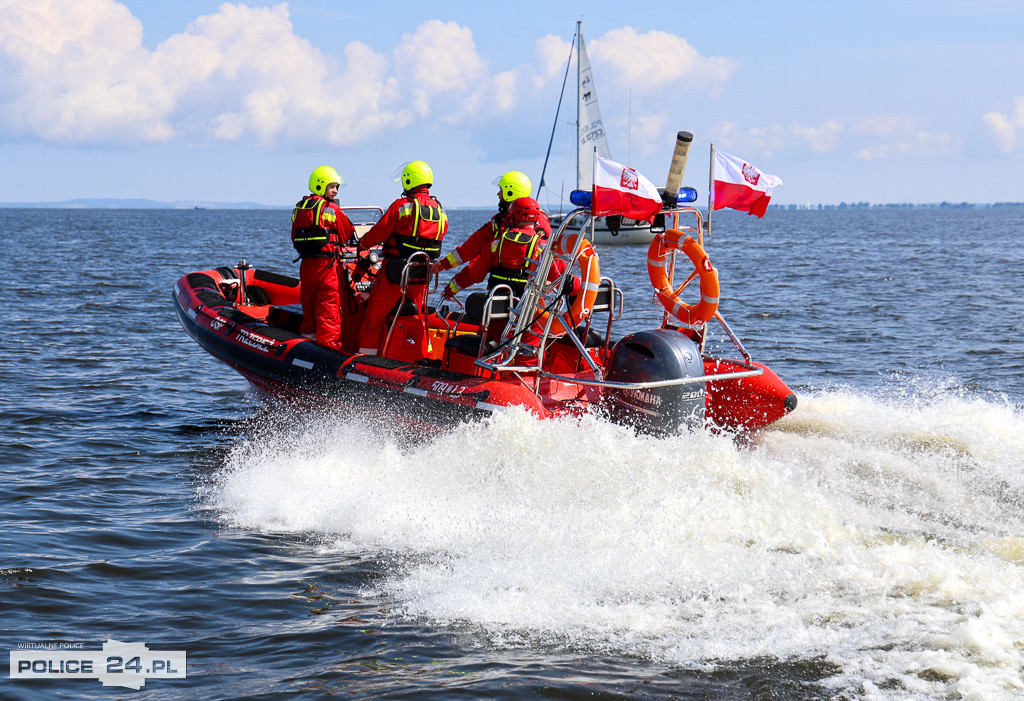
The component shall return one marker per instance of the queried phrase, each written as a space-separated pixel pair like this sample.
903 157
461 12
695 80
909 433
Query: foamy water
871 541
882 537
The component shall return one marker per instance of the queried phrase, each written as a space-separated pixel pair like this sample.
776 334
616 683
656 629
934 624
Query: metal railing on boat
543 296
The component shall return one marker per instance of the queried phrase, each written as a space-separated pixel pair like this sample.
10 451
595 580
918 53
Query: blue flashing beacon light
687 194
581 198
585 198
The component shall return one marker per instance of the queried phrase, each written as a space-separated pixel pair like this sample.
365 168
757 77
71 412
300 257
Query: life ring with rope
590 281
658 255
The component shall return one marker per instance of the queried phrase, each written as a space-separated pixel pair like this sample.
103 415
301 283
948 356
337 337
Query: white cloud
884 126
917 144
753 141
644 133
898 136
77 72
822 138
245 73
652 61
647 64
505 88
1008 128
440 56
552 53
871 138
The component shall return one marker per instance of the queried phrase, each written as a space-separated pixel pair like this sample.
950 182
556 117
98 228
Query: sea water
870 545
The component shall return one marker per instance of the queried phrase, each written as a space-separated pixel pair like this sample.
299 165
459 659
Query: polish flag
741 186
621 190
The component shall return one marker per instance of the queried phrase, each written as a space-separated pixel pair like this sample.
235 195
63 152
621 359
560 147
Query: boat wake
880 536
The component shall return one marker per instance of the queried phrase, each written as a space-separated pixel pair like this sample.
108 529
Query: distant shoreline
152 204
225 206
902 205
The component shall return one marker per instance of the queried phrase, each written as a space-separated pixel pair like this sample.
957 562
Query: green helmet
514 185
322 177
414 174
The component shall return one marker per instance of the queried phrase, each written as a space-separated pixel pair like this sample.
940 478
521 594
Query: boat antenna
629 131
557 110
711 189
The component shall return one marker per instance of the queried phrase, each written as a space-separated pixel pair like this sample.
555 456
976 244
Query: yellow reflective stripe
431 213
515 237
426 212
318 205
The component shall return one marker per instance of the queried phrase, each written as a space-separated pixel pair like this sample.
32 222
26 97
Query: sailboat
591 142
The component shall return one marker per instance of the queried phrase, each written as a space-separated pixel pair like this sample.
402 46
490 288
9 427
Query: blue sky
883 101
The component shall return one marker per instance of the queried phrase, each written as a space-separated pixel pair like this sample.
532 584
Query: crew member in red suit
511 186
414 222
506 260
319 229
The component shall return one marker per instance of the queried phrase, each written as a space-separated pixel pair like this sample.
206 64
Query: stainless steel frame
544 296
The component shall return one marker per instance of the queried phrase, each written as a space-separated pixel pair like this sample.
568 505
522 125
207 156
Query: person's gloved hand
448 293
438 267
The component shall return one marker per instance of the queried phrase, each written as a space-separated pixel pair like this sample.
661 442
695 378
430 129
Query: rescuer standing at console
319 229
414 222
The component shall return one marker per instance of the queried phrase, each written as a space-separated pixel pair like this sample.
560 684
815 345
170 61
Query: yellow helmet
514 185
414 174
322 177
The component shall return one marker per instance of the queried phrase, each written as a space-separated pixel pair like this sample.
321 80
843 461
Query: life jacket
510 254
310 237
421 227
499 222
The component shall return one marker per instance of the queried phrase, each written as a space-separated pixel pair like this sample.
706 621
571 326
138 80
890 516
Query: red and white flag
621 190
741 186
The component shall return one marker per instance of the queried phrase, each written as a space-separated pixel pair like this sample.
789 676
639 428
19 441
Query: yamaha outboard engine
650 356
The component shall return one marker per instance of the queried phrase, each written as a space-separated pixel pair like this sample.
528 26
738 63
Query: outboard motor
650 356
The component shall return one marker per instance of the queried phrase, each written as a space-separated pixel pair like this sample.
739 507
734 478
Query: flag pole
711 189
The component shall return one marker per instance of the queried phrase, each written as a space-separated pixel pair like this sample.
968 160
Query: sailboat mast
579 79
590 134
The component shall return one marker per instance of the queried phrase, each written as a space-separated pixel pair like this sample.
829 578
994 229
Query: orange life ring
590 281
657 269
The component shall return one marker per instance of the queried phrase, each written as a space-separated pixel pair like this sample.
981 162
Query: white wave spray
884 536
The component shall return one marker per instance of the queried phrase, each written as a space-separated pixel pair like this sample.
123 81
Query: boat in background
591 142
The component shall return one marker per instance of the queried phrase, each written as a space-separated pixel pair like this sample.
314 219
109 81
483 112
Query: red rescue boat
546 351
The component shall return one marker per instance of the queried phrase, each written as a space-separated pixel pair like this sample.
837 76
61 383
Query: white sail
590 128
590 135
